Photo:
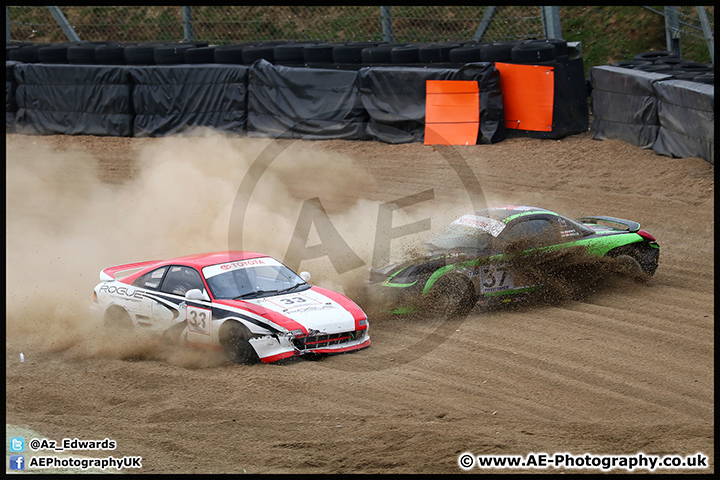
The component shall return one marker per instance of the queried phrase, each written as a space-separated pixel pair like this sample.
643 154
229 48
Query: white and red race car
247 304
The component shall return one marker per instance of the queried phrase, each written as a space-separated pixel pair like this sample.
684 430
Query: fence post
672 30
387 24
707 31
484 23
188 35
62 21
8 37
551 22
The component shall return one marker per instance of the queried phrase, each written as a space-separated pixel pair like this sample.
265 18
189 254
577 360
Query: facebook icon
17 462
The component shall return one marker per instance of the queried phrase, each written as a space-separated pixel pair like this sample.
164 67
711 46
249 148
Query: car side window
180 279
150 280
533 233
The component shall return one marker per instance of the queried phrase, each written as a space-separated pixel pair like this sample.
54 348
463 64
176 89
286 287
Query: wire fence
693 26
240 24
220 25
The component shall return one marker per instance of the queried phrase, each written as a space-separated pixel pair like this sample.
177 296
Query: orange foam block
528 96
452 112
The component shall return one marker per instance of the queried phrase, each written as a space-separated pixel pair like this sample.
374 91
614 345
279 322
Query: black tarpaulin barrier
686 111
625 105
170 99
394 97
307 103
10 102
73 99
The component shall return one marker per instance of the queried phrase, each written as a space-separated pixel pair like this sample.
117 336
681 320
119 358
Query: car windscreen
458 236
242 280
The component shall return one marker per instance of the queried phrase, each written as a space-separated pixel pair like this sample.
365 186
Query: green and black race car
505 253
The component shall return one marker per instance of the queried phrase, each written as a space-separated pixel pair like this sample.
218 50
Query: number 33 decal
198 319
292 300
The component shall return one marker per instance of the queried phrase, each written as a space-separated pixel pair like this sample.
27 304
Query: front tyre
235 342
450 296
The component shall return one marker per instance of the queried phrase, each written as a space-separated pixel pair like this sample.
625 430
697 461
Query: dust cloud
64 224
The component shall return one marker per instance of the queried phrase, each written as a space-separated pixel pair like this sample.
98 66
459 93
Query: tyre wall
624 105
687 120
310 90
653 110
10 102
309 103
73 100
171 99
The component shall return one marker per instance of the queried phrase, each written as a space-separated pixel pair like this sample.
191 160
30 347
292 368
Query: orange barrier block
452 112
528 96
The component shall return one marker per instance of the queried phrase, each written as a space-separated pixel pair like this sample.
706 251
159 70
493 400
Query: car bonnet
312 309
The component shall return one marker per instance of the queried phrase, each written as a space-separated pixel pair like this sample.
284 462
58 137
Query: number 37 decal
496 278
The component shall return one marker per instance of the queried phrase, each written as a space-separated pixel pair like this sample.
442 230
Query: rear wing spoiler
627 224
110 273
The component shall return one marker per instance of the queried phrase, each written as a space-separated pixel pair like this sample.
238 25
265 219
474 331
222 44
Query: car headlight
363 322
295 333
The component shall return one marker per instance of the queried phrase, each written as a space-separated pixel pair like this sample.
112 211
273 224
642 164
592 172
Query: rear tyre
628 266
235 342
117 320
634 263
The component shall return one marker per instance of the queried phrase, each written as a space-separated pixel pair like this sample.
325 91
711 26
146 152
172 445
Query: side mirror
305 276
196 294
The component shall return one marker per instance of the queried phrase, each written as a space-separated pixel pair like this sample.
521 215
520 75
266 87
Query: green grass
613 34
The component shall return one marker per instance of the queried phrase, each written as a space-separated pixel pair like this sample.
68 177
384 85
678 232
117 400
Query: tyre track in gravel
629 368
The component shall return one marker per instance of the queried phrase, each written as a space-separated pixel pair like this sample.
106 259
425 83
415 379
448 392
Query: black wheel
290 53
113 54
631 63
117 321
653 56
561 47
349 53
27 54
56 53
231 53
319 53
498 51
83 54
450 296
655 68
668 61
694 67
252 54
627 265
436 52
234 339
172 337
533 52
708 78
684 75
405 54
379 54
636 262
171 54
141 54
465 54
200 55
